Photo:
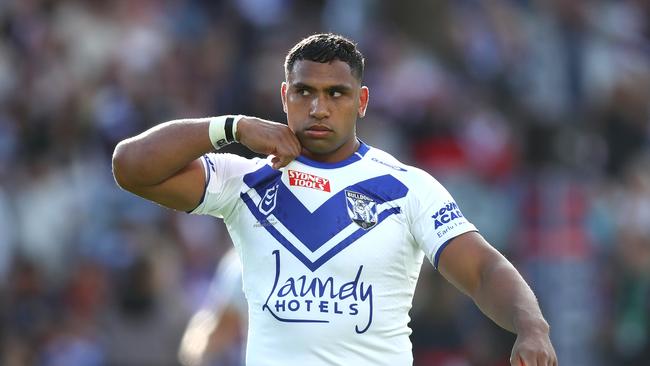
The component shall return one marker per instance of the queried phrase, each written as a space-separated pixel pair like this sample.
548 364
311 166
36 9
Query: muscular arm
161 164
481 272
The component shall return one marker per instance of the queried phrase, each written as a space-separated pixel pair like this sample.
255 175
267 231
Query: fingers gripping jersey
330 252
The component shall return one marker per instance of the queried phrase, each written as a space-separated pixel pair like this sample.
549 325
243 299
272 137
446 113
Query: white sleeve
223 181
435 218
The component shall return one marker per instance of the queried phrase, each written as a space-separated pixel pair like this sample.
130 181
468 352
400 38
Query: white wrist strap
223 130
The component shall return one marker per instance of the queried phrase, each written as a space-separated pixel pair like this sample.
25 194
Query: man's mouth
319 128
318 131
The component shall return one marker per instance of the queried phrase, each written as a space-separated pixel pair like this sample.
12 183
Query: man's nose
319 108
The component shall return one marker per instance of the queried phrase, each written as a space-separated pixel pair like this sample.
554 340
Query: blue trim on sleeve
206 164
437 256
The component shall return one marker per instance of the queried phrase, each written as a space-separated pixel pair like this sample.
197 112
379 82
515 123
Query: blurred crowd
535 114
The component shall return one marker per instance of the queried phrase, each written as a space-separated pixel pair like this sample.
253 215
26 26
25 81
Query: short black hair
324 48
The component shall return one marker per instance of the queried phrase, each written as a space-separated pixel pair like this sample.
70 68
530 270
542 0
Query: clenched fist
533 350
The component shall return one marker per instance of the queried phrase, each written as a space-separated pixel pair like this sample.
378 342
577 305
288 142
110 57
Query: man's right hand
271 138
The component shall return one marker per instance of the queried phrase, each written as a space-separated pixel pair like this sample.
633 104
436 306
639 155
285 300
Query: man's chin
317 148
315 151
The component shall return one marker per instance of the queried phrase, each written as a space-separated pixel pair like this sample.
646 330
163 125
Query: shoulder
408 174
379 159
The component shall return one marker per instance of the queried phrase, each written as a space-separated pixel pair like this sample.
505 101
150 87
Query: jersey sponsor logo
267 204
300 179
445 215
361 209
313 299
396 167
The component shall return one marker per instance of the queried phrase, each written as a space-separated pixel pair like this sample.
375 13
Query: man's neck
343 152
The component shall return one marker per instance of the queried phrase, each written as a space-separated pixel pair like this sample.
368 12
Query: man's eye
303 92
335 93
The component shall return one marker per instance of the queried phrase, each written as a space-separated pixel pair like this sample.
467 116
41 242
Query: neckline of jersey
360 153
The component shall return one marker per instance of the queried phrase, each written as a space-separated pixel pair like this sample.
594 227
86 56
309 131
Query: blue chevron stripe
296 252
317 228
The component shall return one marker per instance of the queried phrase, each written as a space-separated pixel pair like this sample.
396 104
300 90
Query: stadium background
534 114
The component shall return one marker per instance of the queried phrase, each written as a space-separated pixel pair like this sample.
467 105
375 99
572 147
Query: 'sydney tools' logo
300 179
362 209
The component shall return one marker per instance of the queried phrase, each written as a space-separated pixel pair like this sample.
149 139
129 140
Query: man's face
322 102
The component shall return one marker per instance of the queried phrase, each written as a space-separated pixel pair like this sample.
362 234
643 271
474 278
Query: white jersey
331 253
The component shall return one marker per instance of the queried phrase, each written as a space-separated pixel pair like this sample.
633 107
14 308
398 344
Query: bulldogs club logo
362 209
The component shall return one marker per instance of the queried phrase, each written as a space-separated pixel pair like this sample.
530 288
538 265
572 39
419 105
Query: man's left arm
481 272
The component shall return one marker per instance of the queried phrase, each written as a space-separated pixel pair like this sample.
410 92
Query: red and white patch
300 179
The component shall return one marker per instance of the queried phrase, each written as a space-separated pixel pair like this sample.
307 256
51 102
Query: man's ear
283 94
364 94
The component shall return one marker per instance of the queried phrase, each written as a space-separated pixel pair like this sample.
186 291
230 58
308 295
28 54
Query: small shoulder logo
300 179
362 209
267 203
396 167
